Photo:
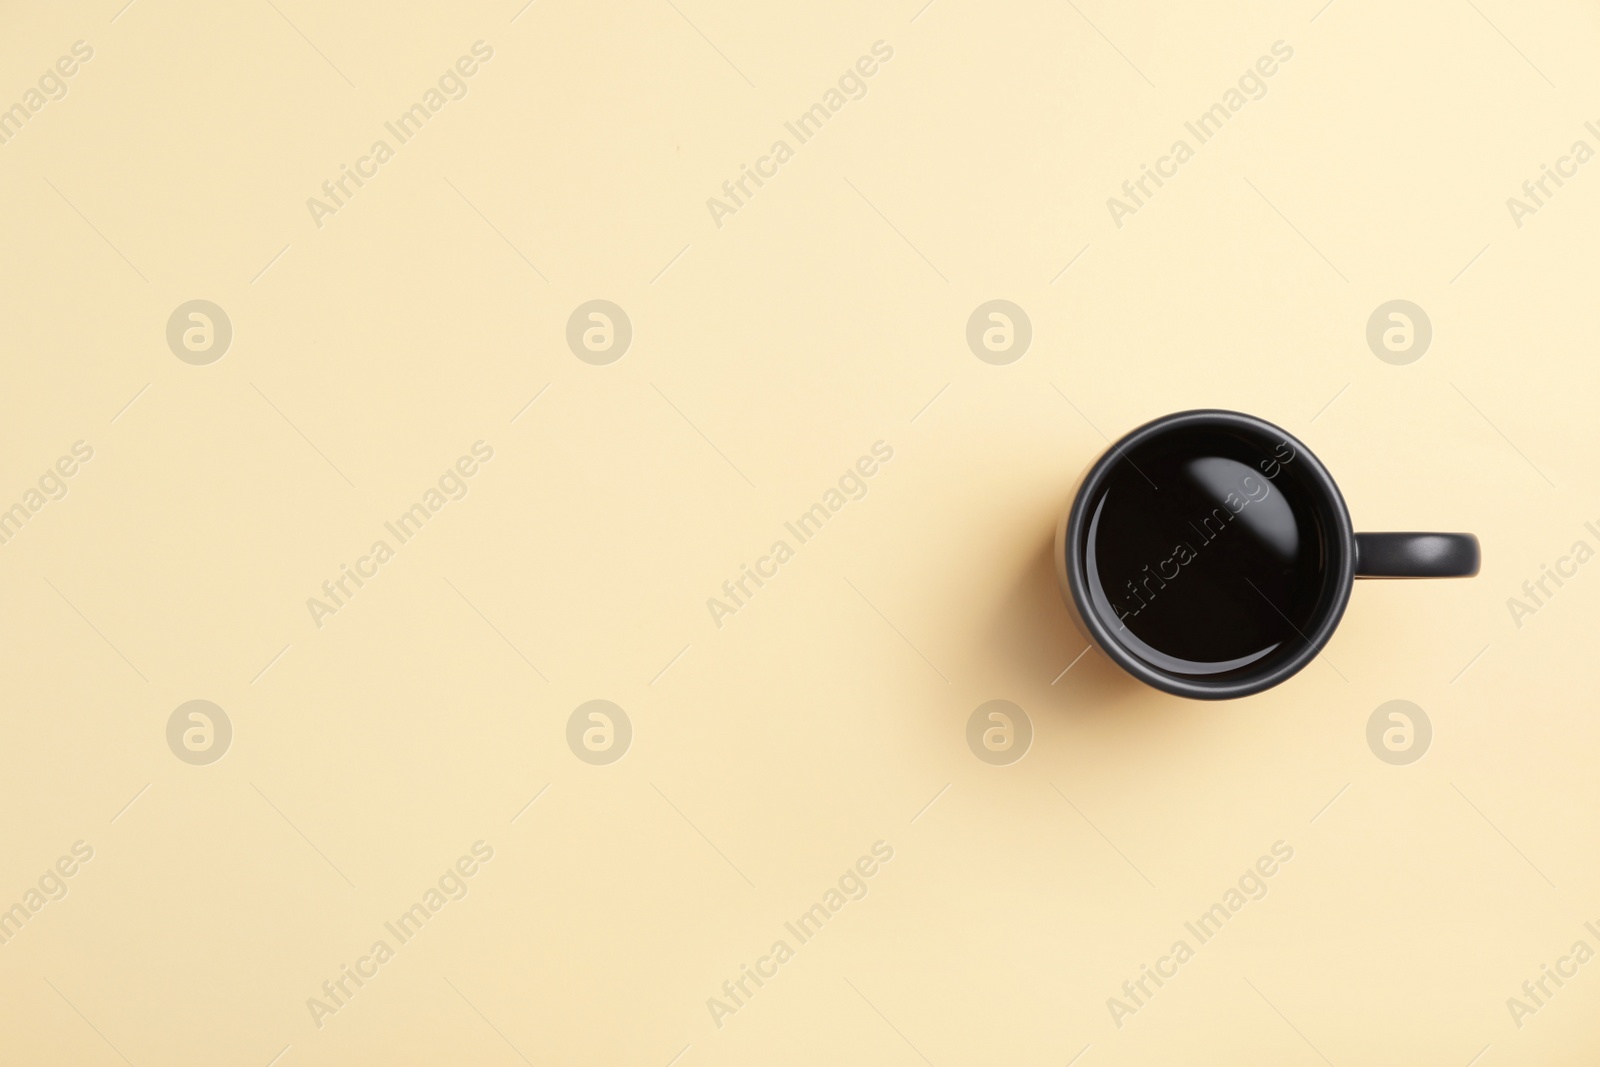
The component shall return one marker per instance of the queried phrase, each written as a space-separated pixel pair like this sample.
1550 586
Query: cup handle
1416 555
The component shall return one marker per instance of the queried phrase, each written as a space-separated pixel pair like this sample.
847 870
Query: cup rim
1343 567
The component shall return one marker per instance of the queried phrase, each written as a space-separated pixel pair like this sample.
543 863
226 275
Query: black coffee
1206 551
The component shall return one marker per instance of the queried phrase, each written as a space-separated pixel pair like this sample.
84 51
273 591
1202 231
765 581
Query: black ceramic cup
1210 554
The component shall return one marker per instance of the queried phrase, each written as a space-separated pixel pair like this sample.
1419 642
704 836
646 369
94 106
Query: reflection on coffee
1205 552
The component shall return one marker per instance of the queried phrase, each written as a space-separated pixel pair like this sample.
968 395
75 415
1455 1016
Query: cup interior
1212 550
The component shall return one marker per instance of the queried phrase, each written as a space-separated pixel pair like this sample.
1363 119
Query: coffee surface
1205 552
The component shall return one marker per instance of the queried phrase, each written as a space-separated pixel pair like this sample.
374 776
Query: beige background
827 314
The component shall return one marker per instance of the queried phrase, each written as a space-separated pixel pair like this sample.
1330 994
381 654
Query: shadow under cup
1211 550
